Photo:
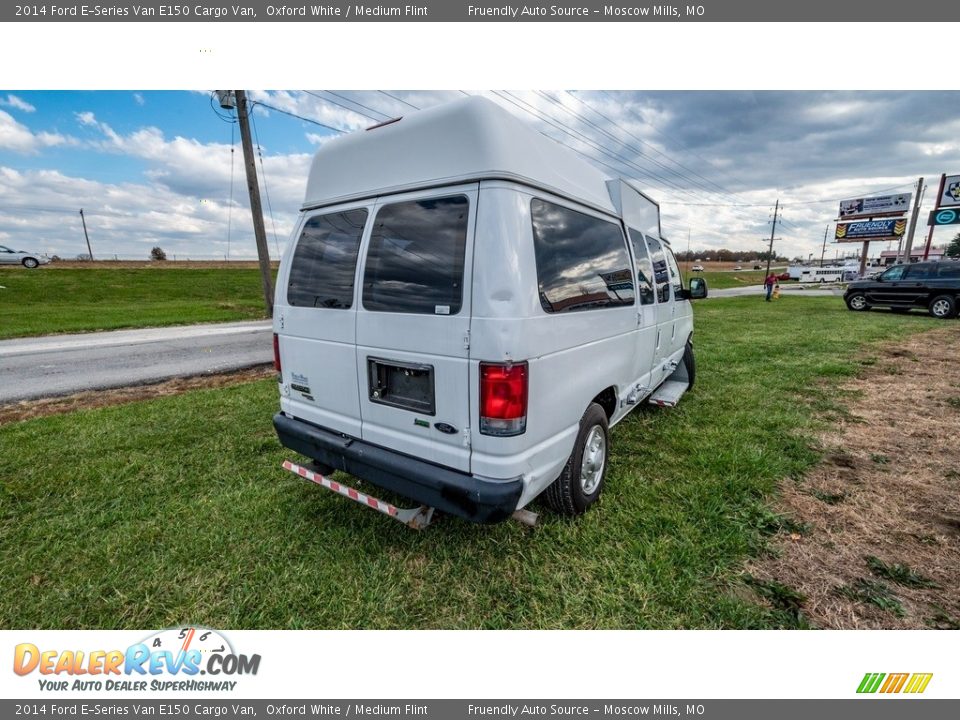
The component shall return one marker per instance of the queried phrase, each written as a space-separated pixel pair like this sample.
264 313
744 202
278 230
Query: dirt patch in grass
883 550
28 409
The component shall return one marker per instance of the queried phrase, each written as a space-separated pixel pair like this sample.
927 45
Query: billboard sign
870 230
880 205
944 216
951 191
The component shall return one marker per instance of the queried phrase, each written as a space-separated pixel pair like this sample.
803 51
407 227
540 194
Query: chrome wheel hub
594 460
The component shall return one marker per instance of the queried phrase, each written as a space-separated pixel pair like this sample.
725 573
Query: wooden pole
256 208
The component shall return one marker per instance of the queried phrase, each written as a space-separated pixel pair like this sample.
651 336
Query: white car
22 257
466 307
697 268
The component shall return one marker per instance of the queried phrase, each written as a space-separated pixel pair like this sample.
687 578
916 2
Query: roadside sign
944 217
951 191
891 228
880 205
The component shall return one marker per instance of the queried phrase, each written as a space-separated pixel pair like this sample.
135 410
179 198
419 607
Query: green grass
74 299
721 280
176 510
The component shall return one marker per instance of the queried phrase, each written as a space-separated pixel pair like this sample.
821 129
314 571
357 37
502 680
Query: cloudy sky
156 168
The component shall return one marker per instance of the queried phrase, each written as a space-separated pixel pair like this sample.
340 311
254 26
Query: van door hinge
466 340
466 437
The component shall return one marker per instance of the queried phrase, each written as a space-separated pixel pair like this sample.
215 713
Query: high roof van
466 308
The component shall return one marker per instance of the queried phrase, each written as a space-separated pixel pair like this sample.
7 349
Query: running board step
669 394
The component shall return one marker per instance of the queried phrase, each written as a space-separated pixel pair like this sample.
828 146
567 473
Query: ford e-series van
465 310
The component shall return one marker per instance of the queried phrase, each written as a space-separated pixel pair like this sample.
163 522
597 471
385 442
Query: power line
355 102
266 192
632 148
341 105
293 114
398 99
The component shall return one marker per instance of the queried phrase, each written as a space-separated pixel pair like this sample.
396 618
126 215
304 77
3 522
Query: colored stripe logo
913 683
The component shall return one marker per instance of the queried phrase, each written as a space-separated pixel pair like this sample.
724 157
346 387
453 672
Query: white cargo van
465 309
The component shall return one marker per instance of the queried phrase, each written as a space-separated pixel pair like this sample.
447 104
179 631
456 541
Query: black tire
857 302
567 495
943 307
30 263
690 363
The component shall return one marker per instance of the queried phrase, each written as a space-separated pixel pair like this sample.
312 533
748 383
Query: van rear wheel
690 364
581 481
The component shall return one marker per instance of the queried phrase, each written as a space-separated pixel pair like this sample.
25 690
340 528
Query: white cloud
19 138
17 103
86 118
139 100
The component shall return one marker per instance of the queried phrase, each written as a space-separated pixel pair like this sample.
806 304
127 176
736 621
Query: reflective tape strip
340 489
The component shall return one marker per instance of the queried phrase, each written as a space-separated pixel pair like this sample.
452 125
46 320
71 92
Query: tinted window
949 270
644 267
582 261
675 277
415 260
661 275
894 273
324 263
922 272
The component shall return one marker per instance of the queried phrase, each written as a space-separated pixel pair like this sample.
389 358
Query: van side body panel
572 356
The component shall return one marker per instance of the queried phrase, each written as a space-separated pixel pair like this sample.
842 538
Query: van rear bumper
473 498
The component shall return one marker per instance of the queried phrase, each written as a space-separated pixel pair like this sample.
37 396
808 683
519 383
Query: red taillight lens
503 398
276 353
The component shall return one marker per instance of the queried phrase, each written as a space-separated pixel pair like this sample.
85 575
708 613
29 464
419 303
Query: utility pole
89 251
823 250
936 206
913 223
256 209
773 229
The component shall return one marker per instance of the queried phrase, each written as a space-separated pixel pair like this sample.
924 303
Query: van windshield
415 260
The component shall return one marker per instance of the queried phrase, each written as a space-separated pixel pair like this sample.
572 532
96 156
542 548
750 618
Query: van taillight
276 353
503 398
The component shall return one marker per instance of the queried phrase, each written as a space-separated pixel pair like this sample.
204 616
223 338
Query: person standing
769 283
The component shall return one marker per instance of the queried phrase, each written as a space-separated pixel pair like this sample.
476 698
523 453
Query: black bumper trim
466 496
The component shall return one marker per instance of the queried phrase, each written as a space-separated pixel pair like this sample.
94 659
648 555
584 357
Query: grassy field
175 510
722 280
56 300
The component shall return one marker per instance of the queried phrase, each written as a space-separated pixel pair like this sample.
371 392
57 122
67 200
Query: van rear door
317 322
413 325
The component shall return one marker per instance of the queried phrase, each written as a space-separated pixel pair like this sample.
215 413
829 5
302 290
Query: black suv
933 286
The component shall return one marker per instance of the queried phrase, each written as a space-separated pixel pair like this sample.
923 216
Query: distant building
889 257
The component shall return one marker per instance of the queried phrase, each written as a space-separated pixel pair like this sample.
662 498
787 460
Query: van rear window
325 261
582 261
415 260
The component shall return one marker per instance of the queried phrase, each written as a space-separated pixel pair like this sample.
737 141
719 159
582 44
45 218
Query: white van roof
465 140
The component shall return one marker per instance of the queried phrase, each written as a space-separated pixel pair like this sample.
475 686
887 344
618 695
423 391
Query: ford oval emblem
445 428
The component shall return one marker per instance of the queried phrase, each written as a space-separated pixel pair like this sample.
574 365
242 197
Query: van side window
644 267
661 275
675 275
582 261
415 260
325 261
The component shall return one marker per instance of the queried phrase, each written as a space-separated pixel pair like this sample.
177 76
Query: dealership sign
870 230
951 192
881 205
944 217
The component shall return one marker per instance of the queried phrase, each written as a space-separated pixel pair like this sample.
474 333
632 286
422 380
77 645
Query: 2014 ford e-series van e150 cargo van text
467 308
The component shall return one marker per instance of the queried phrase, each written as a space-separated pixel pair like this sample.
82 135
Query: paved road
64 364
785 290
